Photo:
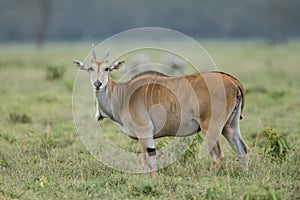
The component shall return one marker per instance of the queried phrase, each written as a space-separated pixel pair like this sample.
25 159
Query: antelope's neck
104 99
110 87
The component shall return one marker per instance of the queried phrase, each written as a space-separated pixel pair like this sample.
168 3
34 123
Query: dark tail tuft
241 95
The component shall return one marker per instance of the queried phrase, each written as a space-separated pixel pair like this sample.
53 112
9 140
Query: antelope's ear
80 64
116 65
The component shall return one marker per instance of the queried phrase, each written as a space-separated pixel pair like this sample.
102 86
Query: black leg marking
151 151
199 129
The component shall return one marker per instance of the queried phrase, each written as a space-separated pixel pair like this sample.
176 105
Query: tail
241 95
240 90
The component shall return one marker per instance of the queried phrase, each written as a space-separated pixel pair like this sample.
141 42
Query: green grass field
42 156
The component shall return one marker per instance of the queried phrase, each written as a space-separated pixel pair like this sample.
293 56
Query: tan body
176 96
153 105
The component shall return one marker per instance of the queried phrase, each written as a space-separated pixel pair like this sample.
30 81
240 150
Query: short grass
42 156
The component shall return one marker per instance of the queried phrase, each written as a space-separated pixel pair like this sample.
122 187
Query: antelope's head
99 71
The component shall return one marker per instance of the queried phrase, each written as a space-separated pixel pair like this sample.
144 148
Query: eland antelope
173 65
153 105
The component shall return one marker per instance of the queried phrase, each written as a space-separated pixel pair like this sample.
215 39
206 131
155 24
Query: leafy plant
277 94
215 192
193 148
3 162
55 72
271 195
69 85
19 118
276 145
210 193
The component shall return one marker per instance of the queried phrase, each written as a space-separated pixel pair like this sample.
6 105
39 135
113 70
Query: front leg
145 165
149 154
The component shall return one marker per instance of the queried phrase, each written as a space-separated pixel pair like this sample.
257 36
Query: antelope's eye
107 69
91 69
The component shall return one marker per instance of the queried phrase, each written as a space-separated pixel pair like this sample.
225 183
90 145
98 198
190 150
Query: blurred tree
283 20
96 19
39 12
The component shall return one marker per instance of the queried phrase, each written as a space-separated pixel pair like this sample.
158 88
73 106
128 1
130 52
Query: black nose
97 84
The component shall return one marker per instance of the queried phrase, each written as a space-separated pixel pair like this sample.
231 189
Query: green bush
19 118
193 149
3 162
55 72
69 85
271 195
276 145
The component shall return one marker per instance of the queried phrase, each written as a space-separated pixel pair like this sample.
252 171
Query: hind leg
212 145
232 133
217 156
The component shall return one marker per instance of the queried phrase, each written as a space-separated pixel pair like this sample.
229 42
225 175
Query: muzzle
97 84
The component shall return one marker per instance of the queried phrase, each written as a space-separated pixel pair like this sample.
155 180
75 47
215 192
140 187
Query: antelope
139 62
153 105
136 62
176 64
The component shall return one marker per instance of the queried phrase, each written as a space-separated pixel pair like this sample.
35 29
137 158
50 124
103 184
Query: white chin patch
100 88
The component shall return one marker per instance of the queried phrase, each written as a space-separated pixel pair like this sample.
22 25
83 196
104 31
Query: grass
42 157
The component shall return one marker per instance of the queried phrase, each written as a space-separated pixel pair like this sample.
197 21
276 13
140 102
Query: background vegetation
42 157
37 20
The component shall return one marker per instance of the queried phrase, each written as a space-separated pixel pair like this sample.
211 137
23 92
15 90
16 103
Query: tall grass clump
276 145
55 72
19 118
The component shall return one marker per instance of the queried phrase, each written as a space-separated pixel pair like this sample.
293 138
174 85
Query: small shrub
277 94
145 190
192 150
216 192
210 193
47 98
69 85
3 163
19 118
54 72
162 142
271 195
276 145
10 138
257 90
